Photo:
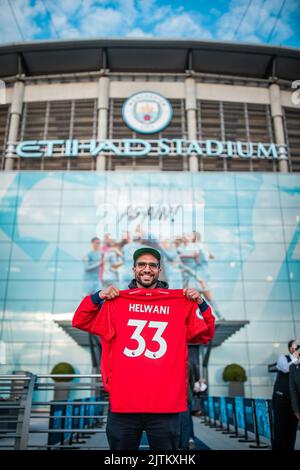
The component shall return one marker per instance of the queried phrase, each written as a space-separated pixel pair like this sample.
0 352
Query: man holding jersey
144 333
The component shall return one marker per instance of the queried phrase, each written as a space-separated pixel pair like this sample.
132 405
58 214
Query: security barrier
29 421
238 417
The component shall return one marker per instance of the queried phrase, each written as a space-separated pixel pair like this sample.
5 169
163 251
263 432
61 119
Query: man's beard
147 284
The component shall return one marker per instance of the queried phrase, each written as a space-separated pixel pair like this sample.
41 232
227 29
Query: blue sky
274 22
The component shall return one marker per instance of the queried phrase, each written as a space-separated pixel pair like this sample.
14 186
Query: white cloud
25 14
181 26
256 23
146 18
139 33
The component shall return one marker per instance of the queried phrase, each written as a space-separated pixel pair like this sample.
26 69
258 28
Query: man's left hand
193 294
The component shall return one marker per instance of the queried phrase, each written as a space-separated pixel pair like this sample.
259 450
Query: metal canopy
224 329
149 55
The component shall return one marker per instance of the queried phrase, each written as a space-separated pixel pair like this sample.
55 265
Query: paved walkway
207 437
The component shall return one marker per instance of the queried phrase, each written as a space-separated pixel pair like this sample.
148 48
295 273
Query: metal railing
38 413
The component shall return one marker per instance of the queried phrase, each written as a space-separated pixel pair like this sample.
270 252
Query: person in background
285 421
133 244
200 389
187 436
92 261
203 255
112 260
104 248
294 381
171 263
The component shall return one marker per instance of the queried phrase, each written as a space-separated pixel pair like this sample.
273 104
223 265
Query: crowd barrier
31 419
74 417
247 419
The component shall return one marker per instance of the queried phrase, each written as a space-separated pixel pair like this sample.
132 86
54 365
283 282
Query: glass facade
249 257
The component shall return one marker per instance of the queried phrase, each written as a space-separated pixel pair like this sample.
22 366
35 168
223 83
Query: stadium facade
224 162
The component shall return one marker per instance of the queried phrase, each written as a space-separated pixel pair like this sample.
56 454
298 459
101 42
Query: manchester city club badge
147 112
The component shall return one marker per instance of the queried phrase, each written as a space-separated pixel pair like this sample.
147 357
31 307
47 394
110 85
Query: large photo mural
235 237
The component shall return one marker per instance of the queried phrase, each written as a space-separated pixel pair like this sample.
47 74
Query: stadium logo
147 112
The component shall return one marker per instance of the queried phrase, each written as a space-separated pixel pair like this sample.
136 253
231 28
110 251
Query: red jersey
144 335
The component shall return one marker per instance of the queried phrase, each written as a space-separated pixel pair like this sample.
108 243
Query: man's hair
290 343
94 239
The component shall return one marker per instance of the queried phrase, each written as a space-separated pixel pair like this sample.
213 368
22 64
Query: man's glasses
142 265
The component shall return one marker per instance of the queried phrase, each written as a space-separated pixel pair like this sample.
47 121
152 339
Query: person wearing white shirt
285 422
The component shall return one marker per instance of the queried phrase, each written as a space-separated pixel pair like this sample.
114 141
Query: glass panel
272 332
221 233
65 306
70 270
295 290
76 215
263 252
38 198
77 233
291 216
32 270
41 180
261 234
296 310
260 216
29 310
37 232
3 269
5 251
6 232
258 199
68 290
7 215
33 251
214 182
229 271
79 198
232 310
263 182
228 354
8 197
227 290
38 215
290 198
267 352
267 271
268 310
220 216
267 290
9 180
30 290
220 198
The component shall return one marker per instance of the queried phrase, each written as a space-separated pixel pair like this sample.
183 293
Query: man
144 352
285 422
294 381
92 261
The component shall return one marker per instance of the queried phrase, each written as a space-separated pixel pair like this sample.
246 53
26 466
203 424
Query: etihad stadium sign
142 148
146 113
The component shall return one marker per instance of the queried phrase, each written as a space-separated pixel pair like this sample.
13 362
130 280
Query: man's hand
193 294
297 416
111 292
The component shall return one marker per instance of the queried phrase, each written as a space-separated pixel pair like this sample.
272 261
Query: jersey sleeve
85 314
206 335
103 325
194 321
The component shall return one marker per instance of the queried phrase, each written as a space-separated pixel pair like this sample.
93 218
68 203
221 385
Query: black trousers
124 430
285 424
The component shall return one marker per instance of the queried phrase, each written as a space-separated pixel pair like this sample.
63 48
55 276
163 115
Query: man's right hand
111 292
